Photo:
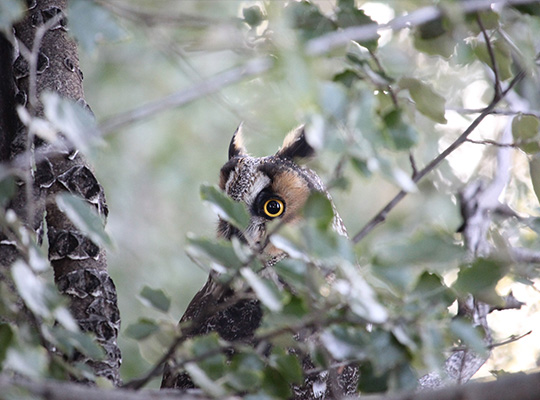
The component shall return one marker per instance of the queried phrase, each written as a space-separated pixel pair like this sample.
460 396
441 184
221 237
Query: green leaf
530 9
265 293
142 329
435 37
397 175
402 135
431 291
10 12
63 316
219 252
370 382
348 15
275 385
442 45
36 295
245 379
293 249
84 216
431 29
347 77
502 53
326 245
253 16
359 296
525 131
7 190
307 18
246 372
471 336
385 351
6 339
319 208
525 126
480 279
288 365
295 307
358 55
293 271
68 341
28 361
401 278
534 170
490 20
344 342
428 102
202 380
226 208
155 298
91 23
213 365
428 247
72 119
333 100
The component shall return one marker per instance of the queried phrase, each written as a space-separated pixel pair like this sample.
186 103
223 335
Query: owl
274 187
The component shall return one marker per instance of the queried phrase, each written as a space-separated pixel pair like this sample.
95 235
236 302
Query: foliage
379 110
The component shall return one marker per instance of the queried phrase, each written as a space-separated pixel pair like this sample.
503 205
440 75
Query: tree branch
211 85
326 43
491 53
381 215
515 386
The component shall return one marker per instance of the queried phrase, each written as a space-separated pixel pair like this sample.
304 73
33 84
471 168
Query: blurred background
152 169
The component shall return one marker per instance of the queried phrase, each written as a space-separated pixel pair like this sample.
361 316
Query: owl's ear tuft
236 147
295 145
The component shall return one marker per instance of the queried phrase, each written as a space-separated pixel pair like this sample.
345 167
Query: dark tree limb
515 386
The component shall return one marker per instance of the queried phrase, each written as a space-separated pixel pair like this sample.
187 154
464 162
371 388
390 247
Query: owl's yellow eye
273 208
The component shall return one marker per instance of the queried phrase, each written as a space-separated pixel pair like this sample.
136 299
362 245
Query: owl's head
272 187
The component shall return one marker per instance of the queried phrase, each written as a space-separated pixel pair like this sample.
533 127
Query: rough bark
80 266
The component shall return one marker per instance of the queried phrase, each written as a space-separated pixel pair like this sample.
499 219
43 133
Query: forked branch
381 215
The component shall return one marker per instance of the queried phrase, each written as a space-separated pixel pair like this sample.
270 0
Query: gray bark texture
80 266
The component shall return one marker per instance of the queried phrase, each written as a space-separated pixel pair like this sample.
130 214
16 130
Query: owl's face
272 187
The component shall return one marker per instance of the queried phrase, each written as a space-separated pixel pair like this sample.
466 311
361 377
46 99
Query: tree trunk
80 266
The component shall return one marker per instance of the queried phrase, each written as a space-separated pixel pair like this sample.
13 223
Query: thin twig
511 339
32 58
494 67
211 85
414 167
493 143
494 112
151 17
381 215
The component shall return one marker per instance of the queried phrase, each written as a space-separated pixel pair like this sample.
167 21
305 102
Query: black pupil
273 207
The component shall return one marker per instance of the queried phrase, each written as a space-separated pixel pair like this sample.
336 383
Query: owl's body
272 187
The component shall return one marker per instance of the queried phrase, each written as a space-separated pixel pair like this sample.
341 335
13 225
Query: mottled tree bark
80 266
